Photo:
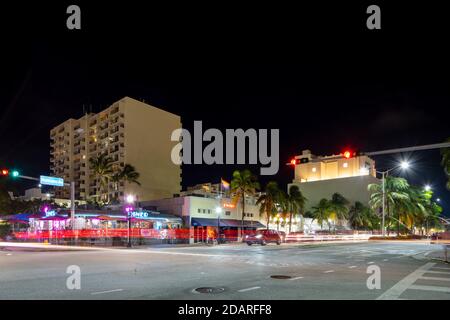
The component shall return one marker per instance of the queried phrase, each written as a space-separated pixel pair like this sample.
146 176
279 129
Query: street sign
52 181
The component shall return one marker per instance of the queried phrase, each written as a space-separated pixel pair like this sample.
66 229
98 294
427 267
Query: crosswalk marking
430 288
435 278
396 290
440 272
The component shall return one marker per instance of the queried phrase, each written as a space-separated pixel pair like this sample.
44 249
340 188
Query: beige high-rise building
130 132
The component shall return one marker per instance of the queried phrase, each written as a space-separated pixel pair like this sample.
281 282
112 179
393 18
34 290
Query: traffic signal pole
72 196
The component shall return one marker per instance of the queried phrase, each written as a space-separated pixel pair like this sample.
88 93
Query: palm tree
446 163
361 216
294 203
243 183
339 207
268 201
127 174
322 212
102 169
395 194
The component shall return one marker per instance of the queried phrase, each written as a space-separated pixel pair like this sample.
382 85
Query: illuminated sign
50 213
52 181
228 205
139 214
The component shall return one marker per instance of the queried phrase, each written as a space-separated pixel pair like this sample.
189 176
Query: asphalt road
316 271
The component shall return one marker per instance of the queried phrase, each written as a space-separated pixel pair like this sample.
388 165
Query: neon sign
139 214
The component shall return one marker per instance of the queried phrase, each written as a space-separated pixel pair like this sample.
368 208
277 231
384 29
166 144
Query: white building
319 177
203 208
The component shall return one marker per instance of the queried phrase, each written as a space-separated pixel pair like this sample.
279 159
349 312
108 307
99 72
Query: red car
263 237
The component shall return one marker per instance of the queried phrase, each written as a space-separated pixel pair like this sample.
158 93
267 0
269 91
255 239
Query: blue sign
139 214
52 181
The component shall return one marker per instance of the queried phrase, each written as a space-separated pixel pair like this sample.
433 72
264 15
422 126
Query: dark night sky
315 73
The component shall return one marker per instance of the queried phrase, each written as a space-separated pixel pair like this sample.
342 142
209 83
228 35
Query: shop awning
205 222
238 223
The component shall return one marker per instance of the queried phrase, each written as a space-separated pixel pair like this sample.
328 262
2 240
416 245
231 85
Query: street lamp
218 211
129 209
427 187
438 200
403 165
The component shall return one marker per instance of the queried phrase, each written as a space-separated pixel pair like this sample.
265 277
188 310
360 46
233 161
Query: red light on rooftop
347 154
293 162
5 172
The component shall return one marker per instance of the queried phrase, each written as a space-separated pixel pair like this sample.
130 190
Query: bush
5 229
402 237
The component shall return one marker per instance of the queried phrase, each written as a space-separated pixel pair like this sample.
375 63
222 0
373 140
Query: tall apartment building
130 132
319 177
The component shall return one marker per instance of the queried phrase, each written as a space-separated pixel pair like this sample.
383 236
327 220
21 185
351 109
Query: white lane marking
328 271
440 272
249 289
397 289
371 262
296 278
435 278
430 288
385 259
181 253
440 268
107 291
351 267
9 254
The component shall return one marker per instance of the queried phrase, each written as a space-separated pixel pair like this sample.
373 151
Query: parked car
263 237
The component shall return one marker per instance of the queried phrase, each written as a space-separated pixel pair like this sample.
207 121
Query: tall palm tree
127 174
446 163
102 169
243 183
361 216
339 207
268 201
294 203
395 194
321 212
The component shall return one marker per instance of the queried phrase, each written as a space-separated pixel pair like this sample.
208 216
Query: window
204 210
209 210
314 169
199 210
345 165
227 213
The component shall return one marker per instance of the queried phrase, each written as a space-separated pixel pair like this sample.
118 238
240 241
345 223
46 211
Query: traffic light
298 161
13 173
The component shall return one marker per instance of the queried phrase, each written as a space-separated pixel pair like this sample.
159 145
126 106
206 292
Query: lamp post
403 165
218 211
129 209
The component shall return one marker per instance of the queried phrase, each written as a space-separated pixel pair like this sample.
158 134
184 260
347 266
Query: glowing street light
404 165
438 200
130 198
427 187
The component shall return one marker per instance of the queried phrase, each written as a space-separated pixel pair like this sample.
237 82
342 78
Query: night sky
317 74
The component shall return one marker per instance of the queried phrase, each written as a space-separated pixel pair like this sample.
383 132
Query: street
232 271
